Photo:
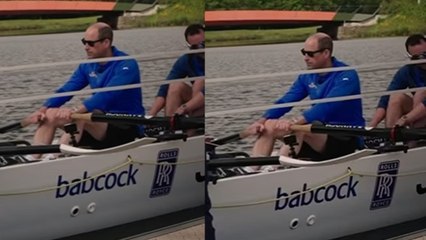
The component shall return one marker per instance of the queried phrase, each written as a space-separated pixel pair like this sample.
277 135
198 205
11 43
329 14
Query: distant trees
319 5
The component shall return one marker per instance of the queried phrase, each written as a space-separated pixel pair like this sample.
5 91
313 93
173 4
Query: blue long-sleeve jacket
409 76
316 86
188 65
113 73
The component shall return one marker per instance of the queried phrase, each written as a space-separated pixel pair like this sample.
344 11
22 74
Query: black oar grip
10 127
241 162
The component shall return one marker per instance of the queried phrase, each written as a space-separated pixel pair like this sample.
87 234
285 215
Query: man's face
417 51
314 56
94 47
196 41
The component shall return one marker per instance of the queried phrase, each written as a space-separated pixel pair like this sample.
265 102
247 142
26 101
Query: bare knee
270 126
397 99
177 88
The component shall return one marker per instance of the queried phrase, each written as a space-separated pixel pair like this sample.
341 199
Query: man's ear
107 41
328 52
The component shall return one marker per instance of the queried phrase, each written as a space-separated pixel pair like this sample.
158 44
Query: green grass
396 25
181 13
252 37
43 26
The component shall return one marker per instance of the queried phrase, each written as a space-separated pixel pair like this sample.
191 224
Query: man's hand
254 129
403 121
181 110
64 113
35 118
284 125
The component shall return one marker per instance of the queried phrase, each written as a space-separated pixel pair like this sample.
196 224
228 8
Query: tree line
360 6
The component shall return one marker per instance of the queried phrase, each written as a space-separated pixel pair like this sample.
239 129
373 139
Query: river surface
267 59
51 48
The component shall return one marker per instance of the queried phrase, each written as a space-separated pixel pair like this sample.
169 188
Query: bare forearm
157 105
379 115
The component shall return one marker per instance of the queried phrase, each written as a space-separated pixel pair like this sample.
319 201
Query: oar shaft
10 127
395 134
178 123
22 150
14 126
240 162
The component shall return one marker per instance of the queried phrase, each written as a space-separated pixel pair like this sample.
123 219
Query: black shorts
336 146
115 135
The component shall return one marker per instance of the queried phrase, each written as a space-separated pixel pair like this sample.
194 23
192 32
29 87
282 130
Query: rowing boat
91 189
366 190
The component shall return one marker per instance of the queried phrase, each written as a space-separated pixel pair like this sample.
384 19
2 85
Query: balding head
322 40
104 31
317 51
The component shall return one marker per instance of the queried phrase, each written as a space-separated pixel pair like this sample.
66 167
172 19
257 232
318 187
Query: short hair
413 40
105 32
325 42
193 29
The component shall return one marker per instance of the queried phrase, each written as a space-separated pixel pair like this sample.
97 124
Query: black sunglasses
417 56
200 45
91 43
311 53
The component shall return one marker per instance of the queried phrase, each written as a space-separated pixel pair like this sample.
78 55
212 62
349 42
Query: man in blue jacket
97 43
317 53
400 108
181 98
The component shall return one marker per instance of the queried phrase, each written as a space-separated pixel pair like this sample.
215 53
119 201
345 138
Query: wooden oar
171 122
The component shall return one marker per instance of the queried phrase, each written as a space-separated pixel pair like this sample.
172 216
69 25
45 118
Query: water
236 61
52 48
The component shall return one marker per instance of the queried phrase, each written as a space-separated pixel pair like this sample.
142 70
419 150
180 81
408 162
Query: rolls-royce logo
385 184
164 173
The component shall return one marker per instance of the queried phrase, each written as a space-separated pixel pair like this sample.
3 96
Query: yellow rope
46 189
128 161
390 175
177 163
347 174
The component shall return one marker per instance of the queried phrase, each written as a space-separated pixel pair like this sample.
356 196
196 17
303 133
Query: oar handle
301 128
82 116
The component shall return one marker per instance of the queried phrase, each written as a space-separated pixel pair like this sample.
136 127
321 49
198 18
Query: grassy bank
404 17
43 26
251 37
394 25
178 13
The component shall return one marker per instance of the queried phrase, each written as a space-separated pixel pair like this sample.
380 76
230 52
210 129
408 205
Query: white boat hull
114 196
347 206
